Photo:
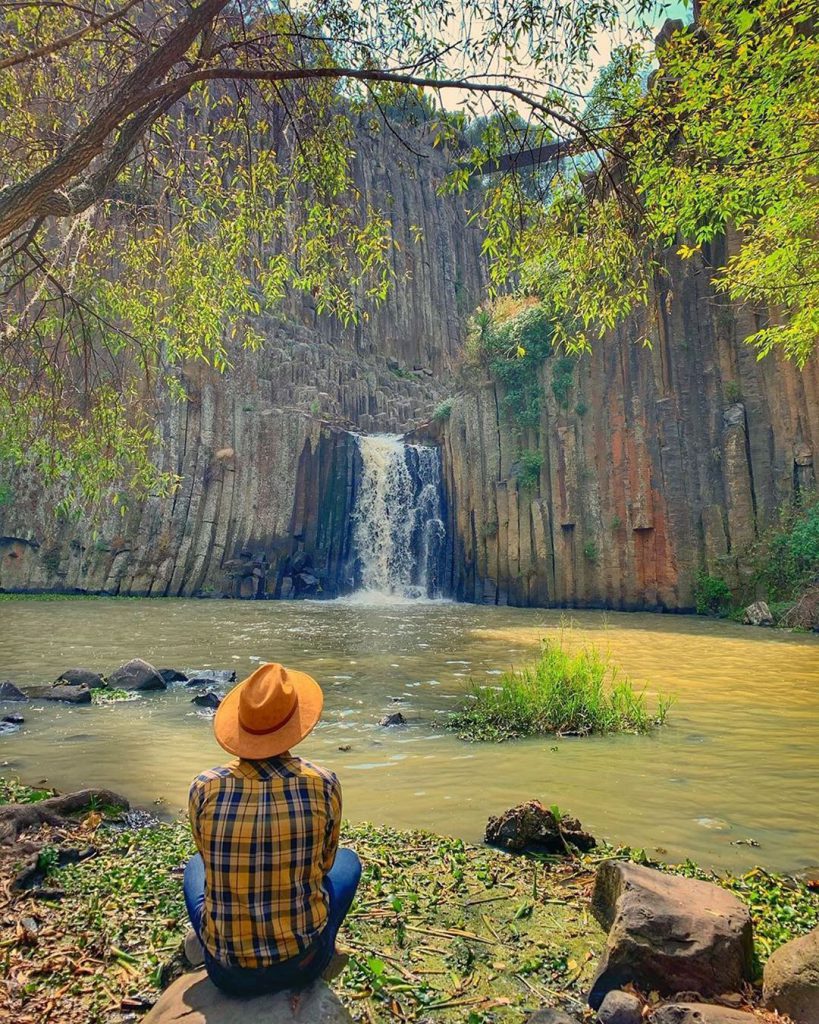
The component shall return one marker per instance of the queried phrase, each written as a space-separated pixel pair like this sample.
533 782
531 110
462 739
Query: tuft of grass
443 410
562 693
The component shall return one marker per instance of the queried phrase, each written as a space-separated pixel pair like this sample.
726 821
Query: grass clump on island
561 694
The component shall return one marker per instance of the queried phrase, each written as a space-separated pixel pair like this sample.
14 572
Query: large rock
758 614
194 999
8 691
136 675
669 934
699 1013
80 677
791 979
64 693
531 826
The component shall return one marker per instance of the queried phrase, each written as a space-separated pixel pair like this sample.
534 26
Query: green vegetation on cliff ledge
562 693
438 926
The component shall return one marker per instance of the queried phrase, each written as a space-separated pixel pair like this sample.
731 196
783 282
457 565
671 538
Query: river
738 760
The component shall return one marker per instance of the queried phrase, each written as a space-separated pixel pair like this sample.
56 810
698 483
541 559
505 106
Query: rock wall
667 459
266 465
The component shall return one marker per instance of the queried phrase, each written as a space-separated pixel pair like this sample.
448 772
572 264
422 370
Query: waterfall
398 530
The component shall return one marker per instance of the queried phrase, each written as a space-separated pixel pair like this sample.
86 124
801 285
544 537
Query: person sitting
269 888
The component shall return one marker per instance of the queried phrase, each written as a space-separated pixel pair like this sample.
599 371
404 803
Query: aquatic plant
563 693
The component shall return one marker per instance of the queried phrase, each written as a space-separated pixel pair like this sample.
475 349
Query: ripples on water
738 760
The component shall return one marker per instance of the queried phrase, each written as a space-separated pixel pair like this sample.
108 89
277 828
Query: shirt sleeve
194 809
333 827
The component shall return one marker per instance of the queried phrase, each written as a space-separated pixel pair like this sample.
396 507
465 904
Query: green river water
739 759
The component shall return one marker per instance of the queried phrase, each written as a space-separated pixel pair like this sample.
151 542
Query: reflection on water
738 760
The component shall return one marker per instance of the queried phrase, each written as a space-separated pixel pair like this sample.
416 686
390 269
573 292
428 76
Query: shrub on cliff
562 693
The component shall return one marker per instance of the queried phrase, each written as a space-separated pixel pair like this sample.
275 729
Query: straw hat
268 713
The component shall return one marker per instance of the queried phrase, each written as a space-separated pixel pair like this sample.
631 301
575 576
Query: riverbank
441 930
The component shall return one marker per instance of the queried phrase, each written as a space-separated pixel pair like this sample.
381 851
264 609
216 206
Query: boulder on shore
80 677
531 826
620 1008
699 1013
758 614
8 691
136 675
551 1015
791 979
194 999
669 934
65 693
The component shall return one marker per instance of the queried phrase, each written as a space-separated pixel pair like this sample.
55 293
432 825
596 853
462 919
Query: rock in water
8 691
172 675
699 1013
531 826
65 693
80 677
791 979
620 1008
194 999
758 614
136 675
210 677
669 934
395 719
207 700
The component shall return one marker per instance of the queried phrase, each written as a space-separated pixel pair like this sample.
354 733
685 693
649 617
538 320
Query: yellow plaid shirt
268 834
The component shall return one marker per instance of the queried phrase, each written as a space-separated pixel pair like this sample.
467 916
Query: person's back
269 889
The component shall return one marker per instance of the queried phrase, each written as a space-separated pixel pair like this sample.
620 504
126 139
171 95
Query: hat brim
236 740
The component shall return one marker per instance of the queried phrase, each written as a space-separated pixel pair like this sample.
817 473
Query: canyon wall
665 460
267 466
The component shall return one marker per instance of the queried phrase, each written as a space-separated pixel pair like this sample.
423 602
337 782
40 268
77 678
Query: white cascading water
398 529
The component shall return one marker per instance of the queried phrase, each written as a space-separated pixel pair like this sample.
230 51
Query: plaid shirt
268 833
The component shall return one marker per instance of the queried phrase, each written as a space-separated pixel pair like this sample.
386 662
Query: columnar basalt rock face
665 460
264 458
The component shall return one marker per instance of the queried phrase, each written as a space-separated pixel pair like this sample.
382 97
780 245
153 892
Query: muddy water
739 759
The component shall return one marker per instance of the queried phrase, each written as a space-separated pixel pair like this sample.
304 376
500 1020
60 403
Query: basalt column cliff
658 462
649 463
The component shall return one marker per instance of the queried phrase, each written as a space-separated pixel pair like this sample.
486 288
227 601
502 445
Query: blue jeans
340 883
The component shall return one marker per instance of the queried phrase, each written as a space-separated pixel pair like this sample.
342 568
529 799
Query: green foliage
786 558
591 552
6 493
712 595
563 693
563 380
732 392
528 467
443 410
581 408
112 696
725 136
511 338
48 859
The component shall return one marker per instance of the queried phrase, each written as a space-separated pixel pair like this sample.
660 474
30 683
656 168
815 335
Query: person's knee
348 862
